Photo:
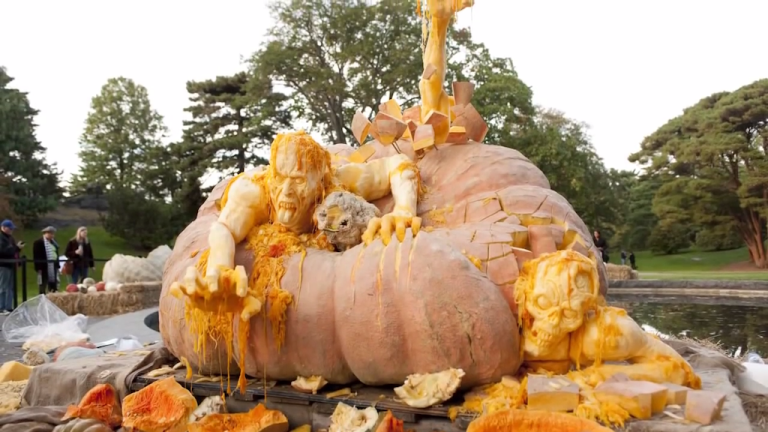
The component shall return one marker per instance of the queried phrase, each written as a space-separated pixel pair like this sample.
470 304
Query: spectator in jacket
9 248
601 244
45 252
79 252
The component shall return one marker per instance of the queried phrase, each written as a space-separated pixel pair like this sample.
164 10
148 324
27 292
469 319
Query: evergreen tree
233 117
30 185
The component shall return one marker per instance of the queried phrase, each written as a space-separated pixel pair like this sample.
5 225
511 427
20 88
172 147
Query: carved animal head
299 173
557 290
344 217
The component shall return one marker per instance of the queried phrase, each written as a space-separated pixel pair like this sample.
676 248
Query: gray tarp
66 382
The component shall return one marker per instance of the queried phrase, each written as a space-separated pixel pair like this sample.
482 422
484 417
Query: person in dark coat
602 245
45 252
80 254
9 250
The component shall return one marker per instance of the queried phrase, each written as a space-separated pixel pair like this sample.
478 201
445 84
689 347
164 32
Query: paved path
99 328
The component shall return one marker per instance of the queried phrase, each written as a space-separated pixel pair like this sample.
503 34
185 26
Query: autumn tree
29 186
233 118
713 161
121 146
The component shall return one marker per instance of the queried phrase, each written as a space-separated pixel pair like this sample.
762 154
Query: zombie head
556 291
299 174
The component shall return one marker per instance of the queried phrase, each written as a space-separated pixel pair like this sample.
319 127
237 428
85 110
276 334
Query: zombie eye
343 223
543 302
300 180
570 313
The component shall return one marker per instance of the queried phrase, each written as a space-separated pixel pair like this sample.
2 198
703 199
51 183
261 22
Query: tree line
323 60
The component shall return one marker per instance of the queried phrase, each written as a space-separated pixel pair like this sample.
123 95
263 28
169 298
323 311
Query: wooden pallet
383 398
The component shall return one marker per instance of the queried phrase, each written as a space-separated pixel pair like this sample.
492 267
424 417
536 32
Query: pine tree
30 185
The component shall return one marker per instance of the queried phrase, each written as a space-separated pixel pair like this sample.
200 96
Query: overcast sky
623 67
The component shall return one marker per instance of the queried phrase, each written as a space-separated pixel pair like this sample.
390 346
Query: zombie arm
613 336
433 95
376 179
246 206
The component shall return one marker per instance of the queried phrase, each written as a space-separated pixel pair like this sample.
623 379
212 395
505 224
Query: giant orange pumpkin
378 313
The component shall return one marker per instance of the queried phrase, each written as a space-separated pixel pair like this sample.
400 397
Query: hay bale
756 408
67 302
129 298
99 303
619 272
137 296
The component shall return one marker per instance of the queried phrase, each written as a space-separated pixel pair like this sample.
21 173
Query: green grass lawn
694 264
104 247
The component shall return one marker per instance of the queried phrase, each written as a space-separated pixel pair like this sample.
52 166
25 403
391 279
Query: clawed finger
401 223
251 307
387 223
415 225
373 228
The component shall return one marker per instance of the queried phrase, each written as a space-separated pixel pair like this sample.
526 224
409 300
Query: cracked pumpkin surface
444 299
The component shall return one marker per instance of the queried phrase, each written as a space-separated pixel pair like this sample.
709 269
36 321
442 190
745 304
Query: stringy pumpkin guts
100 403
163 406
214 319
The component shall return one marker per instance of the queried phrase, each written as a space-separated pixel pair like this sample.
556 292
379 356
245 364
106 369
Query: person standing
623 257
9 248
602 245
632 260
79 252
45 252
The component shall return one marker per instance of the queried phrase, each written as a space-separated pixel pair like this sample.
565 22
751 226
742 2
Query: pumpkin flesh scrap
533 421
259 419
163 406
100 403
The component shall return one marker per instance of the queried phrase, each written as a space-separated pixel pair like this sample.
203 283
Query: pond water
739 325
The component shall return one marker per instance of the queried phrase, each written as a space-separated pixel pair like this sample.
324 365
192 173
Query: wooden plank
382 397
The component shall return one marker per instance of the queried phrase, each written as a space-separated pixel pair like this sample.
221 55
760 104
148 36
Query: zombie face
564 289
296 184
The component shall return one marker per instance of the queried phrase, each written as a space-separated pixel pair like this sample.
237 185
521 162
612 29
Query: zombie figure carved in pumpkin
566 323
286 194
381 311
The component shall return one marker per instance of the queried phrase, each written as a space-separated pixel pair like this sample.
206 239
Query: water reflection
740 325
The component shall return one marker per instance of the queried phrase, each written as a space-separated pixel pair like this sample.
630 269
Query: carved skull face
296 184
565 287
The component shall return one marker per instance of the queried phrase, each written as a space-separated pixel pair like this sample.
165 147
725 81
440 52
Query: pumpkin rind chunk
163 406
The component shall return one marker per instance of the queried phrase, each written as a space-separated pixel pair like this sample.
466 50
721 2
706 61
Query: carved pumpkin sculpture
255 287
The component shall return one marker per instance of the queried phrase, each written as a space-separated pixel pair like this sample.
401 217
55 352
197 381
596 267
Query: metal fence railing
24 266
